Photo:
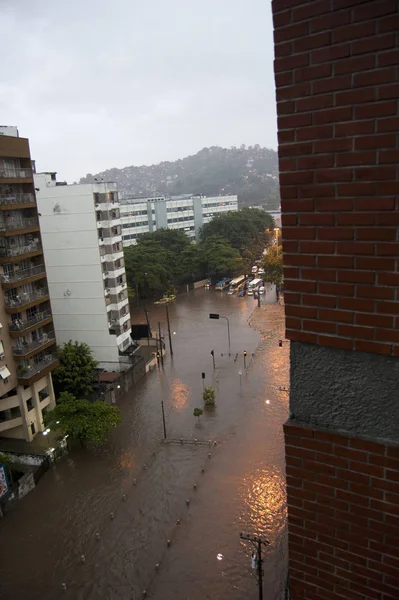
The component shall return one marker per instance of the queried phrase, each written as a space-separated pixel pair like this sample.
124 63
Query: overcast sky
98 84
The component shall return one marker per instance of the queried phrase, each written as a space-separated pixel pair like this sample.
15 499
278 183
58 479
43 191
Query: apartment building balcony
19 226
26 300
8 421
116 288
23 326
106 201
17 201
23 276
28 349
33 372
23 251
16 175
116 303
107 219
112 254
114 271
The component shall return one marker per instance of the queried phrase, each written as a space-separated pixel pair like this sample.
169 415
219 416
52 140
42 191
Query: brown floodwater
118 506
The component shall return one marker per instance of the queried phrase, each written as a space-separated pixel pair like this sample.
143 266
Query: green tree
272 263
83 420
149 268
76 373
192 263
198 412
243 229
173 240
209 395
220 258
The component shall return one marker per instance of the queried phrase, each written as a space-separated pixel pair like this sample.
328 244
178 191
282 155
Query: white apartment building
82 242
187 213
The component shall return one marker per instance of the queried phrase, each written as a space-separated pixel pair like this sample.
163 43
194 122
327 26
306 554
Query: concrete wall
343 390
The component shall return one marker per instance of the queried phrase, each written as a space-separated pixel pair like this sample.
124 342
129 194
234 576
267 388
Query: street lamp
217 316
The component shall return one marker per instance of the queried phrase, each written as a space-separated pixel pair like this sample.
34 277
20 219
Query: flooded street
119 505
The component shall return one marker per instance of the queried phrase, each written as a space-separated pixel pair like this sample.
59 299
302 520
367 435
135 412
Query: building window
29 404
43 394
32 428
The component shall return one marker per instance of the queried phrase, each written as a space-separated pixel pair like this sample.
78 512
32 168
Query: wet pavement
100 520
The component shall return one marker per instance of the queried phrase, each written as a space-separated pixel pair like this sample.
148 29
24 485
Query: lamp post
217 316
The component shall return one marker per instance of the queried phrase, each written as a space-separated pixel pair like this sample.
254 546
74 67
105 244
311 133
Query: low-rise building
187 213
82 241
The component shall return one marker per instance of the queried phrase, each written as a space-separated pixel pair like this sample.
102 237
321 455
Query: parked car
262 289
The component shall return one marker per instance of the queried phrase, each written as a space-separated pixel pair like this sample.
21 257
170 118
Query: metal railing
12 224
28 372
20 325
18 250
7 199
28 347
16 172
22 274
25 298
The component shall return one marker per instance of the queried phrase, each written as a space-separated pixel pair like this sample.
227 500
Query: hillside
250 172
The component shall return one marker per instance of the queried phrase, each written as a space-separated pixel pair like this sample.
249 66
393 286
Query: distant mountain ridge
250 172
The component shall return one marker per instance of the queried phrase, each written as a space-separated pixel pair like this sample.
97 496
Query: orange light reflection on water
179 394
264 497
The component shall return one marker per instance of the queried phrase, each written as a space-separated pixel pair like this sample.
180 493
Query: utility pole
160 341
170 337
257 542
163 420
157 351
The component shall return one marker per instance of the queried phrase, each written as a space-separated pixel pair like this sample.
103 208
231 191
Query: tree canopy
219 258
242 229
272 263
76 373
83 420
229 245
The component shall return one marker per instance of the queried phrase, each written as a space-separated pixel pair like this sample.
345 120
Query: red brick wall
336 70
343 513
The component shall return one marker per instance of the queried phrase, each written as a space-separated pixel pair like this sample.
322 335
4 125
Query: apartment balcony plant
22 325
29 348
22 276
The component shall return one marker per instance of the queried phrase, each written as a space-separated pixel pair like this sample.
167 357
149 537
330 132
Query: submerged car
242 293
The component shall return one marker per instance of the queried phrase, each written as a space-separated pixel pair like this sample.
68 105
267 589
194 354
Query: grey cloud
98 84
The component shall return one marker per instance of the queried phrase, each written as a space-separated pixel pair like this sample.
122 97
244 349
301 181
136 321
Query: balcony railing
18 250
19 224
26 348
25 298
22 274
15 173
28 372
20 325
7 199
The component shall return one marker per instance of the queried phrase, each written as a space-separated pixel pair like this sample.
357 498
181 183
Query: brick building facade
337 81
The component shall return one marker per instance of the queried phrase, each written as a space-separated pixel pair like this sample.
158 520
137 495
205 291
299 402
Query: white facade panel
71 245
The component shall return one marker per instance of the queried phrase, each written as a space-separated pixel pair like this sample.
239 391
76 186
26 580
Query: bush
198 412
209 396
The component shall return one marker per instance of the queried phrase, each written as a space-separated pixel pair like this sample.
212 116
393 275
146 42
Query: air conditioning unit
105 273
108 290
